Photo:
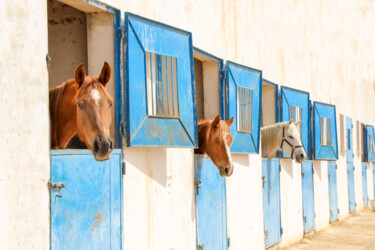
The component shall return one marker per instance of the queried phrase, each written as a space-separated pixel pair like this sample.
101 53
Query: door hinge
281 231
313 170
336 166
266 234
196 184
303 173
121 32
223 75
263 180
279 167
304 219
122 128
228 241
123 168
338 211
56 185
200 246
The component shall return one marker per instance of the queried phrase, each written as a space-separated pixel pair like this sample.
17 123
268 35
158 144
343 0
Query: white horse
283 136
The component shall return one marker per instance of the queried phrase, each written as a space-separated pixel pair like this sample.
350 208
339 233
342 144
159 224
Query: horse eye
110 105
291 137
80 105
217 141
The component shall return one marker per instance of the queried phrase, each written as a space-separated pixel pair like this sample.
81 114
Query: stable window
325 131
369 144
295 114
242 100
162 97
159 85
360 140
270 112
244 105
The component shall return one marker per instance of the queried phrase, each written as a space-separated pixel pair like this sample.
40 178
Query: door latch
200 246
196 184
263 180
53 185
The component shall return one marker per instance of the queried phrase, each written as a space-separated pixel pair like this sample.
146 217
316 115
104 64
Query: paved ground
355 232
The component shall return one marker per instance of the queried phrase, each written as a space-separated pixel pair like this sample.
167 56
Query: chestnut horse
82 106
214 139
283 136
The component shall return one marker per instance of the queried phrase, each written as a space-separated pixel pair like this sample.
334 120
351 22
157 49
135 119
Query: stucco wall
24 126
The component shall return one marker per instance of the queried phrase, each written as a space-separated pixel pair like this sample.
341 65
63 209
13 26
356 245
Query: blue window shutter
248 78
141 129
325 152
370 146
301 99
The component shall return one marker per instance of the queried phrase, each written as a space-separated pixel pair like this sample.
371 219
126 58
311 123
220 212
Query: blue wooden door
308 196
86 212
243 102
333 201
364 184
159 85
210 201
349 140
271 201
295 105
352 203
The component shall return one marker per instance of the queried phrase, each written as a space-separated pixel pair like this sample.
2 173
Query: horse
214 139
82 106
283 136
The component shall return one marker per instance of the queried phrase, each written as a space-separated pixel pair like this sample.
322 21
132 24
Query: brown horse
82 106
214 139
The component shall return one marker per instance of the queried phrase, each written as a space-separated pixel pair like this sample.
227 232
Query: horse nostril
226 170
96 146
110 145
302 156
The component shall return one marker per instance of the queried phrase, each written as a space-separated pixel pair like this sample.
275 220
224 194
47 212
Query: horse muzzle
300 158
226 171
102 148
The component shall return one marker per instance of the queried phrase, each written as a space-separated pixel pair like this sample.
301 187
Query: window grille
244 109
295 113
325 131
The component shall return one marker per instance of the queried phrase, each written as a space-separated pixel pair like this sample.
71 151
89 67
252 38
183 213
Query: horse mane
55 98
271 130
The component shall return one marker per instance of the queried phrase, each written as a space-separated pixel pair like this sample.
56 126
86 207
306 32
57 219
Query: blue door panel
332 185
297 98
308 196
210 201
86 214
321 151
142 129
352 203
364 184
271 201
369 143
241 76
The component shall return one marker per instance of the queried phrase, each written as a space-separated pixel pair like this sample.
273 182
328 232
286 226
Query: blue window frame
369 143
243 97
295 105
159 85
325 132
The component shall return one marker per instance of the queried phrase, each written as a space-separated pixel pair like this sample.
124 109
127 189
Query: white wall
321 195
24 126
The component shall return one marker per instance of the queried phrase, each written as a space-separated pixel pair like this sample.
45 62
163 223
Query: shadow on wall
317 166
150 161
287 166
242 159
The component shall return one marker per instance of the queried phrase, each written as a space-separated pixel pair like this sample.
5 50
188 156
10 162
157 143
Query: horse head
93 105
291 142
215 141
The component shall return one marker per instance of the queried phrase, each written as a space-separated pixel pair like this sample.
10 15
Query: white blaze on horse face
227 149
95 95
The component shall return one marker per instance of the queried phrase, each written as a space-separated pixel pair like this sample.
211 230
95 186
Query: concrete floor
355 232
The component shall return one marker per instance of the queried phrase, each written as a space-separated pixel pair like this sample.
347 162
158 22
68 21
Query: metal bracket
200 246
266 234
122 128
121 32
223 75
54 185
123 168
303 173
263 180
196 184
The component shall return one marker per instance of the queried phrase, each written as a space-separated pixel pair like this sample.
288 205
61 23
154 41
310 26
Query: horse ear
80 75
230 121
289 122
297 123
105 75
216 121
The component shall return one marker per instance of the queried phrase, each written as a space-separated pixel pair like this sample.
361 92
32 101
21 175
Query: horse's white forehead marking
95 95
227 149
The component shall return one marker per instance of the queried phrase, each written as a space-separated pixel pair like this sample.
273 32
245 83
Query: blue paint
332 187
276 88
271 201
349 140
322 152
88 213
364 184
211 212
222 91
351 193
369 133
143 35
297 98
241 76
307 169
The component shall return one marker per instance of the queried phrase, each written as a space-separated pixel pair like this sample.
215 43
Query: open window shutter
159 85
243 100
325 132
292 99
370 141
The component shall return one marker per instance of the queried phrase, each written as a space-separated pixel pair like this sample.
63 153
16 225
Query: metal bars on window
371 143
244 109
295 114
162 97
325 131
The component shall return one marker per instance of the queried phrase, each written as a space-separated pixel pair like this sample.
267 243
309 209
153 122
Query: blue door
349 140
352 203
295 105
308 196
243 102
271 201
364 184
332 185
210 201
85 200
159 85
